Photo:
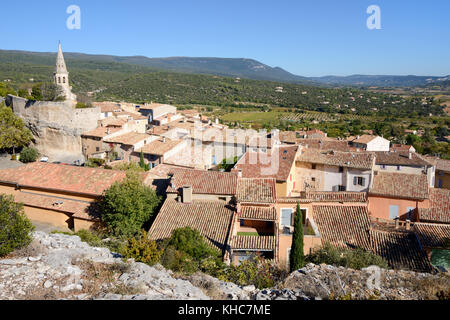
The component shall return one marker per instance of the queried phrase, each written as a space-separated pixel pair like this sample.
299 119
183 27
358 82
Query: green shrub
15 228
29 154
94 162
255 271
142 249
127 205
191 242
349 258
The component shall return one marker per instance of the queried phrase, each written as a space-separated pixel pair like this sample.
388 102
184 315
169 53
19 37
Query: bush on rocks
142 249
349 258
15 228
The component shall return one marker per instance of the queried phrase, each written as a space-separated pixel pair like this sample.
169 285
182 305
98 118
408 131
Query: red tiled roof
262 165
357 160
63 178
364 139
443 165
211 218
432 235
129 138
439 210
159 147
78 209
400 249
202 181
343 226
325 196
253 243
100 132
256 190
325 144
399 158
258 213
400 185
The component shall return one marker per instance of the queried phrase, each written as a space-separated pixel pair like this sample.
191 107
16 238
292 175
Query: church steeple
61 75
60 63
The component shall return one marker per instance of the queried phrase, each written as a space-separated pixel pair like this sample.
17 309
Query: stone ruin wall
56 126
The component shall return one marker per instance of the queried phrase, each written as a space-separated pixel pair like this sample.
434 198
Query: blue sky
310 38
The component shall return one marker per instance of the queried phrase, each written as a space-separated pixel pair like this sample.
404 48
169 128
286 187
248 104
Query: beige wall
285 241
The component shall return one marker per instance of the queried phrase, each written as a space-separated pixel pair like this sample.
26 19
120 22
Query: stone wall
56 126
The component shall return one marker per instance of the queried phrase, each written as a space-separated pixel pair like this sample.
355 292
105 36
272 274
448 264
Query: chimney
410 155
187 194
408 224
164 140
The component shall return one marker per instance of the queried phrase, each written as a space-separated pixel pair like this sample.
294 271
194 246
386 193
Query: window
341 188
359 181
410 213
341 169
313 179
383 166
286 216
393 211
64 79
59 79
97 149
313 166
399 168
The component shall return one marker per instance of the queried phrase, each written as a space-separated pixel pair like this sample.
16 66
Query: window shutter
355 181
363 182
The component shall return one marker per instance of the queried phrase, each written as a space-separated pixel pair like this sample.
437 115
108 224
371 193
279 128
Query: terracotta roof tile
400 185
100 132
364 139
159 147
432 235
399 158
253 243
439 210
324 196
357 160
343 226
443 165
129 138
258 213
256 190
65 178
400 249
262 165
211 218
202 181
79 209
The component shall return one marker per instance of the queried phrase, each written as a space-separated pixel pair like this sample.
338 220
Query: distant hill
229 67
379 80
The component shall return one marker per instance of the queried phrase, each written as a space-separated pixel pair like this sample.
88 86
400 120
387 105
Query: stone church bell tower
61 76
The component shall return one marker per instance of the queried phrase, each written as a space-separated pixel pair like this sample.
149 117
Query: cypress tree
297 257
141 162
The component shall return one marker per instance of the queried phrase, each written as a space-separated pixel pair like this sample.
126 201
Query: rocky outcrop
58 266
56 126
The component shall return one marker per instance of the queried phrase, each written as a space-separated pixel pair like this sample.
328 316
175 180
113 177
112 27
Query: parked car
44 159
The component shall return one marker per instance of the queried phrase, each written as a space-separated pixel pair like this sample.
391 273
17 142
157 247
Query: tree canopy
15 227
127 205
13 133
